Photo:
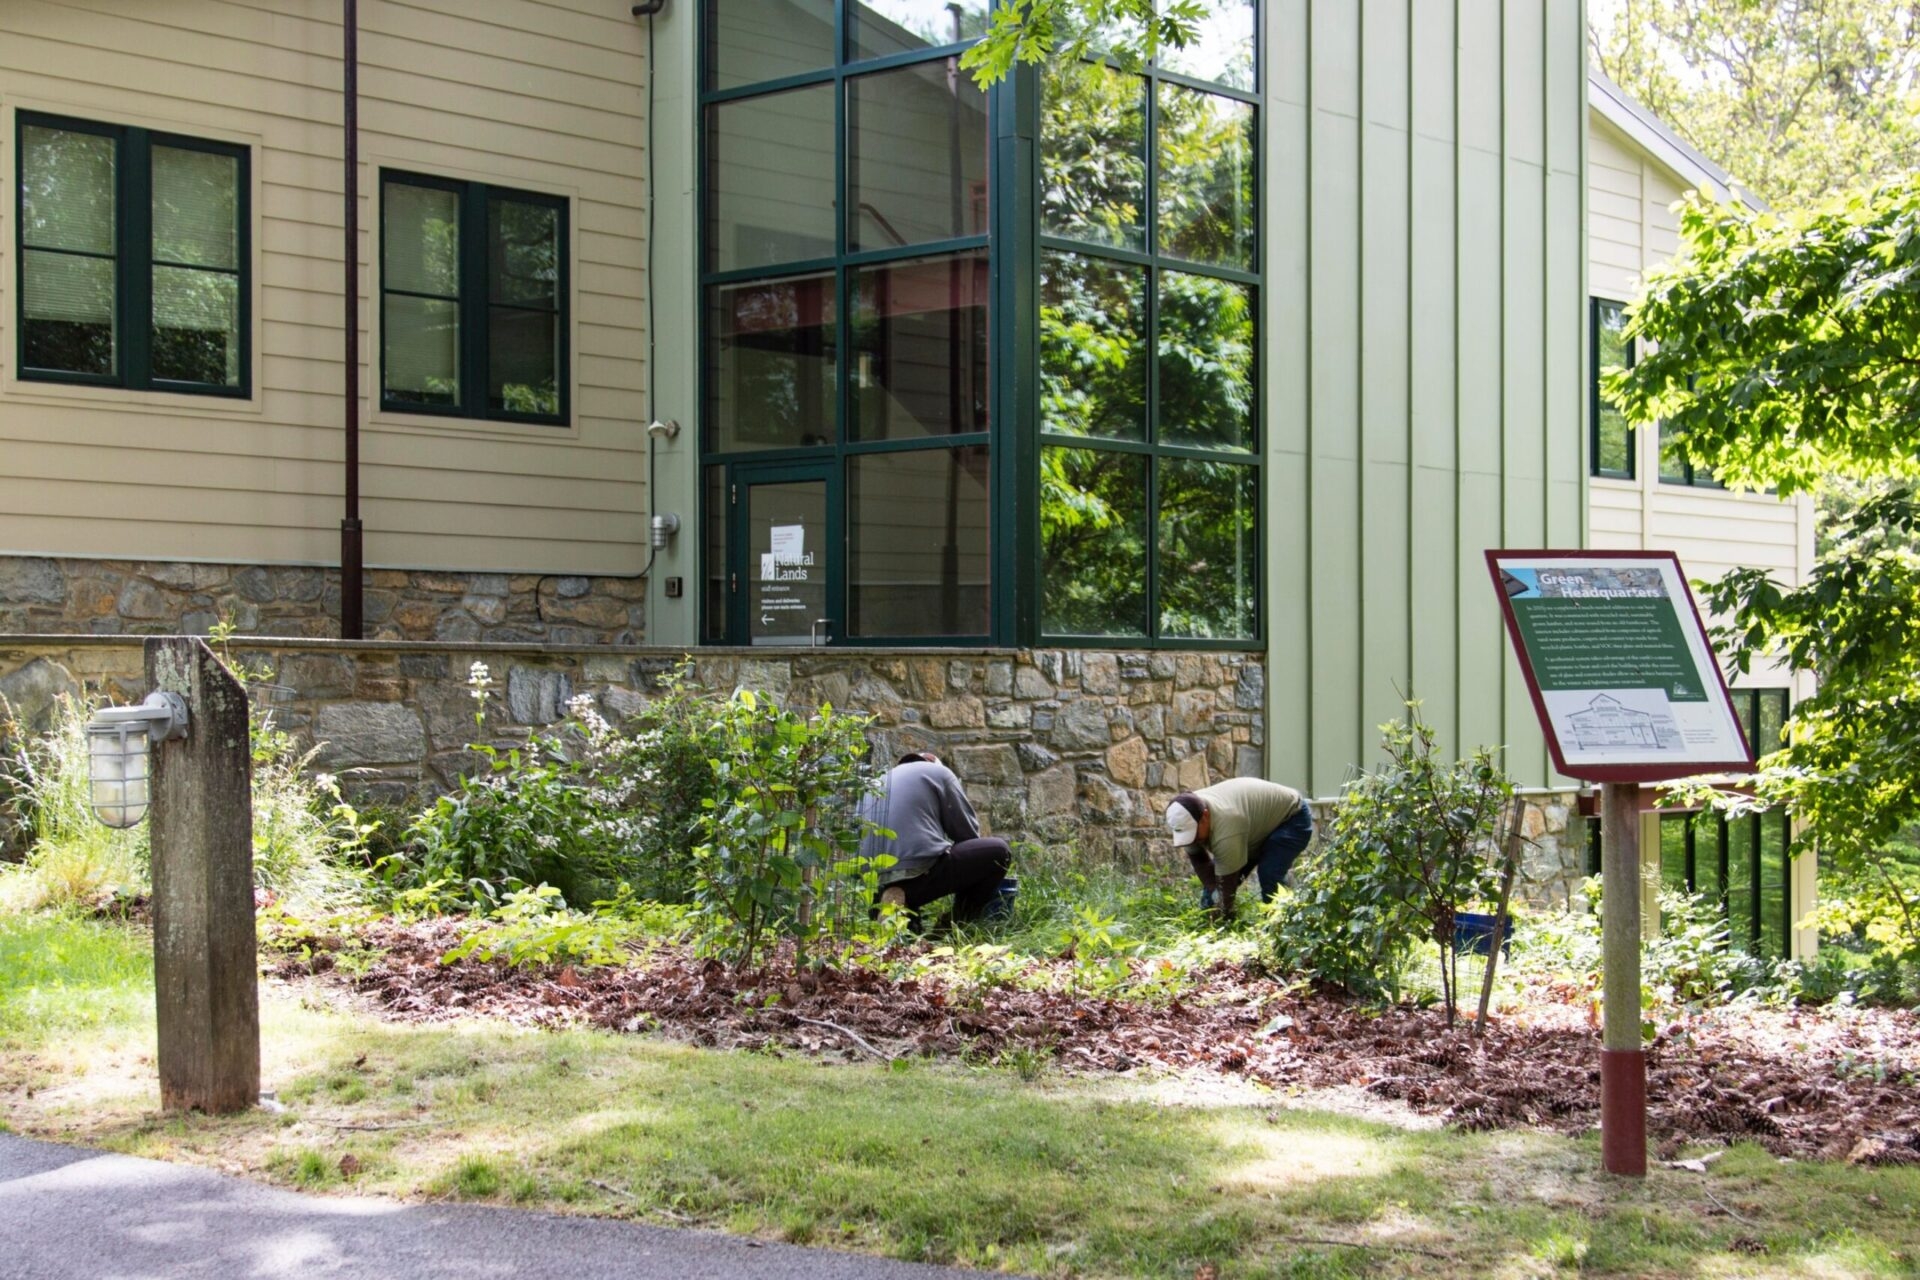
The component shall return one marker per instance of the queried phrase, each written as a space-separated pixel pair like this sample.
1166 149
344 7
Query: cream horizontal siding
1631 227
545 95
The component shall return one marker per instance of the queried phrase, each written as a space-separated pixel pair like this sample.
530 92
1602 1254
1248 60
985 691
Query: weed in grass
1025 1061
1561 1249
523 1187
474 1177
347 1089
307 1168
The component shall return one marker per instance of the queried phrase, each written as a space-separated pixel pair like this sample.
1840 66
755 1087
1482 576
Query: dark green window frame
1676 469
475 301
1597 405
1736 860
133 258
720 613
1013 242
1156 262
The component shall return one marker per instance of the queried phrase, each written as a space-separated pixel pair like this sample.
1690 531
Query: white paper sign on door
789 543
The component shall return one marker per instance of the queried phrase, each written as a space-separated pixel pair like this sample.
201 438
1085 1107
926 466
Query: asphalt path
69 1214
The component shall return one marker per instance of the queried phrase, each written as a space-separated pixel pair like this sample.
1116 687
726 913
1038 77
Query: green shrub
529 819
779 855
1409 844
653 776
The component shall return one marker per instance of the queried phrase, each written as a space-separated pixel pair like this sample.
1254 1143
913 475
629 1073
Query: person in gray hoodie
936 842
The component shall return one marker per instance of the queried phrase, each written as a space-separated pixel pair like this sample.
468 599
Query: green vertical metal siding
1424 330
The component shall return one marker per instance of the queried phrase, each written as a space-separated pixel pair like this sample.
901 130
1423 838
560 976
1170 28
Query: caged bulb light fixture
120 755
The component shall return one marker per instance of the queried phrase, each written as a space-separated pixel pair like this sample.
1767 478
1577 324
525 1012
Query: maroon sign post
1628 691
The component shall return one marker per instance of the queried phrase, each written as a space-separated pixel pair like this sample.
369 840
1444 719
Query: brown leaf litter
1826 1083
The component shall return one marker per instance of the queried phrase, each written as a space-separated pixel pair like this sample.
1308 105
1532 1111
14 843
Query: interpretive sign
1617 659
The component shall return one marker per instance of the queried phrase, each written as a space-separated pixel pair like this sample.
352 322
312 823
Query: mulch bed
1823 1083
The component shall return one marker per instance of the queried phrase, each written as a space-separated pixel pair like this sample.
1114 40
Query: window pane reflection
1222 48
916 157
1093 157
749 41
770 178
1208 564
920 348
196 221
196 326
876 28
1093 539
67 190
1205 174
1613 454
1206 362
66 313
771 363
918 543
1093 348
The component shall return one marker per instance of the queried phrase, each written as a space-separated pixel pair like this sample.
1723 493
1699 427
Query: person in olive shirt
1237 828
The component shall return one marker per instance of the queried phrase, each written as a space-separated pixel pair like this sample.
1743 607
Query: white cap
1185 829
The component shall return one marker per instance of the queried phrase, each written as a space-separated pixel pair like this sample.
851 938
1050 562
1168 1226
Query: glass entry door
785 574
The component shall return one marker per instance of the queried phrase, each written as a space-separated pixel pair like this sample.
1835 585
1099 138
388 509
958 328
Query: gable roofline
1653 135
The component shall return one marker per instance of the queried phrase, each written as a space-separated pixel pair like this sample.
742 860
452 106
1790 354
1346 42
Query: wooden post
1623 1059
206 984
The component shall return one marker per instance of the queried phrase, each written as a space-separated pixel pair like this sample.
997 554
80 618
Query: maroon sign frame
1617 772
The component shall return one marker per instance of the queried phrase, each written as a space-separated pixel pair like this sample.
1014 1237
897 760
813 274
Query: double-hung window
473 300
132 258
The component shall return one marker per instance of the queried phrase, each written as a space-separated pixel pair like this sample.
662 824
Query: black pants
970 871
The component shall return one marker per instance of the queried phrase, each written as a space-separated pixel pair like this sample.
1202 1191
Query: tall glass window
848 274
1149 374
881 266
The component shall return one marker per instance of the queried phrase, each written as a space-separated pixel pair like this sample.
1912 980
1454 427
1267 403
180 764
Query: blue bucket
1473 933
1000 905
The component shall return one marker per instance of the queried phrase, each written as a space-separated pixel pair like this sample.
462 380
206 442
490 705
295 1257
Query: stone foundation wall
46 596
1554 861
1054 745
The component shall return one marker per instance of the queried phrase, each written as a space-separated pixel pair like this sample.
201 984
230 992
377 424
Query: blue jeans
1278 851
1277 854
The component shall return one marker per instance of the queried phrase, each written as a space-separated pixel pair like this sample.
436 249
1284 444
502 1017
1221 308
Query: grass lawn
1052 1175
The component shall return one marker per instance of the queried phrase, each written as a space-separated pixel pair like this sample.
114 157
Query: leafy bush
1692 960
656 774
529 819
1409 844
779 855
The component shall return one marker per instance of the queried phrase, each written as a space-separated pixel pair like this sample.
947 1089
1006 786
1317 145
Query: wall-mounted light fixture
665 525
120 755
